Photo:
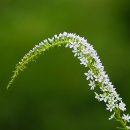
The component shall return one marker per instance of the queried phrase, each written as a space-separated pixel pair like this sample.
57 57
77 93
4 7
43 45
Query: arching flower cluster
97 77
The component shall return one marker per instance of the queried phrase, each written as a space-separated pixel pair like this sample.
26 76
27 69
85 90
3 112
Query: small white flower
50 40
92 85
89 75
99 78
56 36
65 34
104 97
110 106
110 88
112 100
45 41
85 51
97 96
122 106
84 61
126 117
41 43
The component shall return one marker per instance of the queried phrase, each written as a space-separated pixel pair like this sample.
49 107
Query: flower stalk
97 77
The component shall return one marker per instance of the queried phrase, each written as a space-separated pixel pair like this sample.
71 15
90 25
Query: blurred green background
52 94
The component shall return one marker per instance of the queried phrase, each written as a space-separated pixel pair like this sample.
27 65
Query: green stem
119 119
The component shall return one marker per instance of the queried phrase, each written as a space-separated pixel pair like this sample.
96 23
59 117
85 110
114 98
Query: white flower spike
96 74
